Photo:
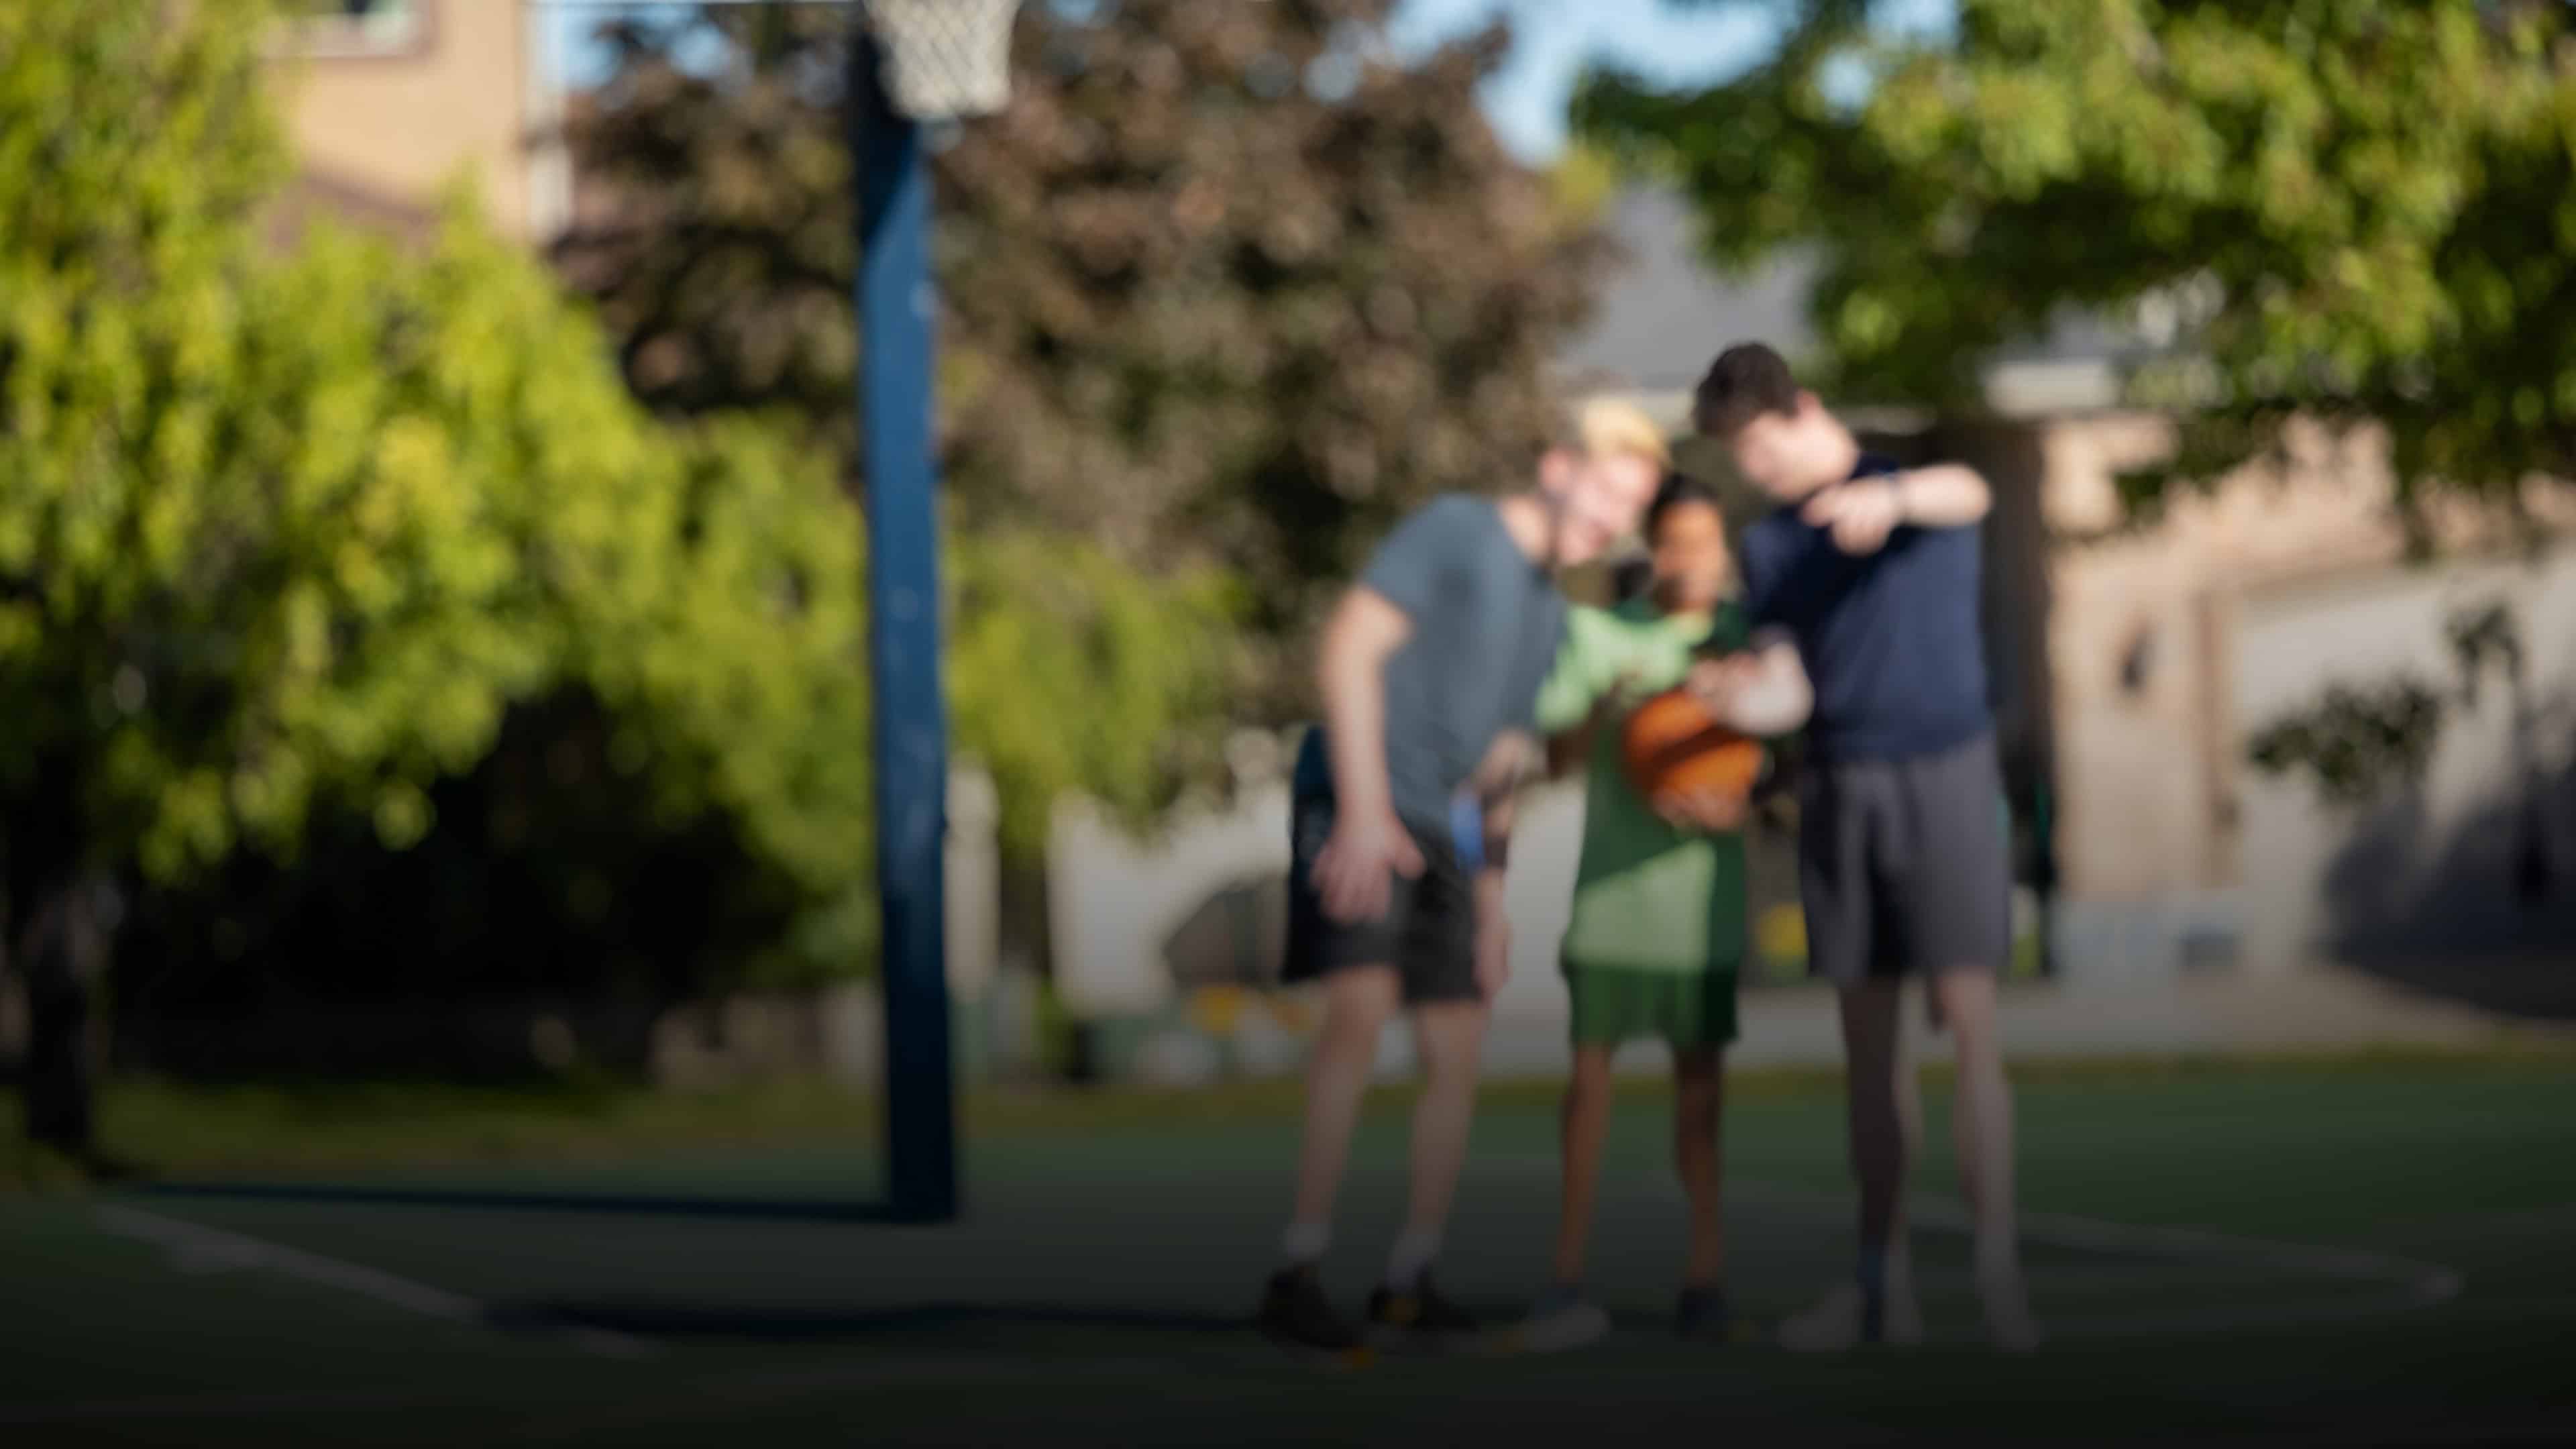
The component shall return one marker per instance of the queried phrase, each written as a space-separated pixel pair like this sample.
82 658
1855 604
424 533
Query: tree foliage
247 553
2343 208
1226 285
289 541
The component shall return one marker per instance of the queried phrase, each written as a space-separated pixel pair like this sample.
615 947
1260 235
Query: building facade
386 103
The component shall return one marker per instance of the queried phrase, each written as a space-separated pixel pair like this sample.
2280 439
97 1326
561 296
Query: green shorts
1614 1004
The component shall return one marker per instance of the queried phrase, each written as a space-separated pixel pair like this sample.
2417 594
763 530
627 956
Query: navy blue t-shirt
1890 639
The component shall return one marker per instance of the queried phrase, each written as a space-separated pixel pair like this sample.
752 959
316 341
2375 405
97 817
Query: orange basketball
1671 742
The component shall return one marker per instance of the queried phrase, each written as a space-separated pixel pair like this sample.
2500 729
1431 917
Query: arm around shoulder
1581 693
1943 495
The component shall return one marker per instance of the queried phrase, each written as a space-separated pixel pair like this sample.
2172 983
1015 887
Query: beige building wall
2427 872
2166 649
2149 748
384 113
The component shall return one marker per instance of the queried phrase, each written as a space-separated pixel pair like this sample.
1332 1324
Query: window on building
360 27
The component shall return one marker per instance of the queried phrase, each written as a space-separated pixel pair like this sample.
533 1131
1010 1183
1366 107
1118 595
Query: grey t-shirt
1486 625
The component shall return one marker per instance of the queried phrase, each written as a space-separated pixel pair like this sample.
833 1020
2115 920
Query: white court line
2410 1283
196 1248
2426 1283
2416 1284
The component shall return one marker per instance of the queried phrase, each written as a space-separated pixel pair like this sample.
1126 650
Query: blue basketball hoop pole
895 308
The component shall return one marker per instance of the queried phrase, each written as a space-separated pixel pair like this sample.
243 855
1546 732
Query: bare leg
1884 1115
1449 1036
1880 1108
1585 1124
1981 1117
1357 1003
1909 1126
1698 1095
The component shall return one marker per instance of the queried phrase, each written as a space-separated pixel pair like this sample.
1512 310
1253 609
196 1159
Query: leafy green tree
1227 286
2349 209
244 567
289 541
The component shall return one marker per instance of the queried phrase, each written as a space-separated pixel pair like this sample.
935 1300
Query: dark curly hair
1678 489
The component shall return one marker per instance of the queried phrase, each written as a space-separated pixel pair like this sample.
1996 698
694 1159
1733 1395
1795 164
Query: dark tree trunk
1027 945
62 949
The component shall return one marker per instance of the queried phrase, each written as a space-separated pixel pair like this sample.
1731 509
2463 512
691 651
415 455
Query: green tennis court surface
2283 1255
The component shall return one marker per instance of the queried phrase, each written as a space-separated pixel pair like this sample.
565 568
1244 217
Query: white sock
1304 1243
1414 1250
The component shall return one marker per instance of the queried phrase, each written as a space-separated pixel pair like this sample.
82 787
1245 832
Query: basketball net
944 59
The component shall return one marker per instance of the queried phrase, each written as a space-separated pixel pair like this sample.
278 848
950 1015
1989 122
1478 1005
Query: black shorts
1905 865
1428 933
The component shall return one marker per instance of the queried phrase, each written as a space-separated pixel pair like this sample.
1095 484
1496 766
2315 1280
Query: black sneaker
1295 1313
1418 1316
1703 1316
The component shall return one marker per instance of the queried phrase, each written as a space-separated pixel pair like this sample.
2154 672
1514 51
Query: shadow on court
797 1210
800 1324
1044 1264
804 1325
2333 1257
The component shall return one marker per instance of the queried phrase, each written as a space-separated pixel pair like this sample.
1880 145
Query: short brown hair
1746 381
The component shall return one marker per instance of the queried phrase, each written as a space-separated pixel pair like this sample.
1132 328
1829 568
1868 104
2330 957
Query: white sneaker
1840 1320
2008 1317
1562 1323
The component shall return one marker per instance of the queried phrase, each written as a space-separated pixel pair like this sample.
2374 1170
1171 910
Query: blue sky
1554 40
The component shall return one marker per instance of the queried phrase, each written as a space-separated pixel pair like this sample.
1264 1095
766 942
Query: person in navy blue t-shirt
1903 861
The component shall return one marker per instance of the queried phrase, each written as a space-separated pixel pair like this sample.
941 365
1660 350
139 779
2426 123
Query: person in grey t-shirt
1429 671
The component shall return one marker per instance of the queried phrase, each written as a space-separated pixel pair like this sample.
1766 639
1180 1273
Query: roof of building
1667 309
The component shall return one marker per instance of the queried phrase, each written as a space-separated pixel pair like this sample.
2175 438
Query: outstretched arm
1943 495
1569 748
1863 512
1581 692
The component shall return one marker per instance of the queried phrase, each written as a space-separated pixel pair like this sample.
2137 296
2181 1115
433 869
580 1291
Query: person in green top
1658 927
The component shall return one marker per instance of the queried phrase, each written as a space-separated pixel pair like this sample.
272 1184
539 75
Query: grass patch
307 1127
173 1127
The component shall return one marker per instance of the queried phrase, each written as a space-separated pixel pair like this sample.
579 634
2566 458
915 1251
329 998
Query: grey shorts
1905 866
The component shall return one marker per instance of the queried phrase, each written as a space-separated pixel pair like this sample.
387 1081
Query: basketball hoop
944 59
936 62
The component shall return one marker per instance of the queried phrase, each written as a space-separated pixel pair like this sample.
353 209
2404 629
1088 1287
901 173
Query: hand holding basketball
1690 766
1718 682
1712 812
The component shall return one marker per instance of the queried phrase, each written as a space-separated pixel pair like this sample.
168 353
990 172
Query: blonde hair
1606 427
